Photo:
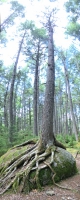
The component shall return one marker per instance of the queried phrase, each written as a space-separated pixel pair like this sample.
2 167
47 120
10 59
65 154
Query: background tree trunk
11 92
70 100
36 94
5 106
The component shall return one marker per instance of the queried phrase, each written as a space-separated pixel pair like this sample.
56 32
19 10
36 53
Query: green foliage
4 143
39 33
60 137
22 136
18 8
73 8
18 138
68 140
74 29
28 25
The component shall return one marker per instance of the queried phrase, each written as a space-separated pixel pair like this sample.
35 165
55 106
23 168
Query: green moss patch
11 155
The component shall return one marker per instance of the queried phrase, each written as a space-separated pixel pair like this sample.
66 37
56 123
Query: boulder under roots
31 167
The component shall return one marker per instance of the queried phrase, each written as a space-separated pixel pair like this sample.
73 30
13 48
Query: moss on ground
33 176
11 155
75 148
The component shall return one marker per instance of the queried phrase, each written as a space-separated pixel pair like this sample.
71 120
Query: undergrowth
25 135
69 141
4 142
19 137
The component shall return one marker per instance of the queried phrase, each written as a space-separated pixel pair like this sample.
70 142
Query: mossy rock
10 156
32 176
64 165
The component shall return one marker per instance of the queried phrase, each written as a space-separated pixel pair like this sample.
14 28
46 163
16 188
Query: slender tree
70 98
16 10
40 41
5 106
36 92
12 90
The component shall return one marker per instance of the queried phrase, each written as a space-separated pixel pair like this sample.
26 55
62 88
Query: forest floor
53 192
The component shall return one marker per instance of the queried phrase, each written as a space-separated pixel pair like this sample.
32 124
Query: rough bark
47 126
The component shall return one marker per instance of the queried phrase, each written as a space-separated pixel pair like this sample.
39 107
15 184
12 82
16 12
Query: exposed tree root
54 174
76 154
25 143
58 144
16 174
17 171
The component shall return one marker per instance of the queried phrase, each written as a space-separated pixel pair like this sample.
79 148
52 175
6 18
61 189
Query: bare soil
53 192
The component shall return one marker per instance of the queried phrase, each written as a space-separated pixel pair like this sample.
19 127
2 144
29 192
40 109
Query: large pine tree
22 171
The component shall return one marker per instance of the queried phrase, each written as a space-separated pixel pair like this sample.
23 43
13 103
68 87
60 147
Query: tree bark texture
47 125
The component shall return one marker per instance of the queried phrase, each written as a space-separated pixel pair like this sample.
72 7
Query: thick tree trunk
47 125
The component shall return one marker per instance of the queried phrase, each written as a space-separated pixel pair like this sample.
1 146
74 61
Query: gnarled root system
24 171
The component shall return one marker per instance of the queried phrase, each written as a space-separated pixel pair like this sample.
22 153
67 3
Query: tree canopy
73 8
